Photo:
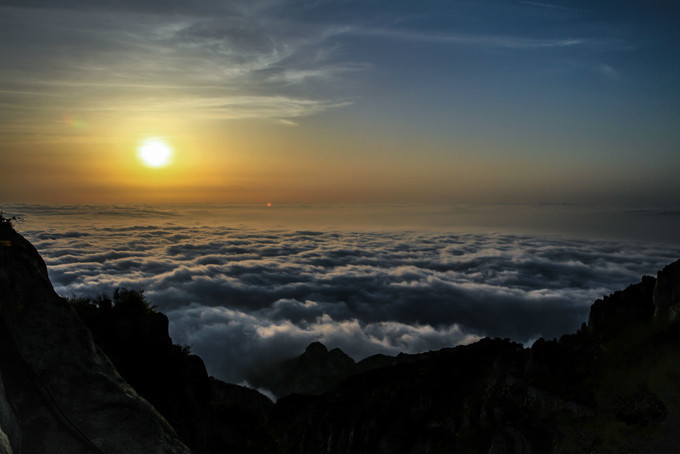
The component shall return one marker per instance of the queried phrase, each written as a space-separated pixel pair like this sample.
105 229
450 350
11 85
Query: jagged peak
316 348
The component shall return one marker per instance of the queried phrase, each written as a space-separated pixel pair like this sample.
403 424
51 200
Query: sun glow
155 153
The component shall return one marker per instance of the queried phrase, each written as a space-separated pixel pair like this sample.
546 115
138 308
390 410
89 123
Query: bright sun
155 152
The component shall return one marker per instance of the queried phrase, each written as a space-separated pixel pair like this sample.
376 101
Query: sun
155 152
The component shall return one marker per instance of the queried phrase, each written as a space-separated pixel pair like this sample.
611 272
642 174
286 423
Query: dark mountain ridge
614 386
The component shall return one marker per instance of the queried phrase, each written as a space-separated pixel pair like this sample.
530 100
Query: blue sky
342 101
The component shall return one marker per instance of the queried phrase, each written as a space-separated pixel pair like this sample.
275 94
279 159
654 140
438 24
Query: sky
343 101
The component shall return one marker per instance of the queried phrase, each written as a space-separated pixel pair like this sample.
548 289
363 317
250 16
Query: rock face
9 427
667 294
211 417
656 300
614 313
59 393
313 372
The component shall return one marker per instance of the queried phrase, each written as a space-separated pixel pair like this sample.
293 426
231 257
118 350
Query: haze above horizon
340 102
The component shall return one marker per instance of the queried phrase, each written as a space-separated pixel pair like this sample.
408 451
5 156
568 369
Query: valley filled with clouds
246 296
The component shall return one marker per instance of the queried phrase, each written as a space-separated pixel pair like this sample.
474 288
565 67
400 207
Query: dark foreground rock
314 372
60 394
211 417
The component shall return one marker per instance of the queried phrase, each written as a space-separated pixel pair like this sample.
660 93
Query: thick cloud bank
244 297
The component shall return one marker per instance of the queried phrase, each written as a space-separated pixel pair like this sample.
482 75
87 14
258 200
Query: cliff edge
58 392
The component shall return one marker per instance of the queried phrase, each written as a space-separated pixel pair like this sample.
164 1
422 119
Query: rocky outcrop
613 314
653 299
210 416
667 294
314 372
428 405
61 394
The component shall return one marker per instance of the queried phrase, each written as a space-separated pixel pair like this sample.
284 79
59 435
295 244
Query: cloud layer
244 297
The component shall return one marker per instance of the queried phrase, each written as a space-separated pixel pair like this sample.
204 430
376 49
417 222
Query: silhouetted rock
227 394
208 415
314 372
374 362
667 293
612 314
61 394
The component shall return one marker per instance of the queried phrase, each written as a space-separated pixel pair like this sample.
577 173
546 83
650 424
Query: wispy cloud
477 40
227 66
550 6
224 108
609 72
211 59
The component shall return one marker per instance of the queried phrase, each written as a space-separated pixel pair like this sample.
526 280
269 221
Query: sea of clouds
244 296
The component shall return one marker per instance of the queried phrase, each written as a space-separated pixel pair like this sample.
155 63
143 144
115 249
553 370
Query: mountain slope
61 394
211 417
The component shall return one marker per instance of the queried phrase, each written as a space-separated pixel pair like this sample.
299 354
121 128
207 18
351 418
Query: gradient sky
341 101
